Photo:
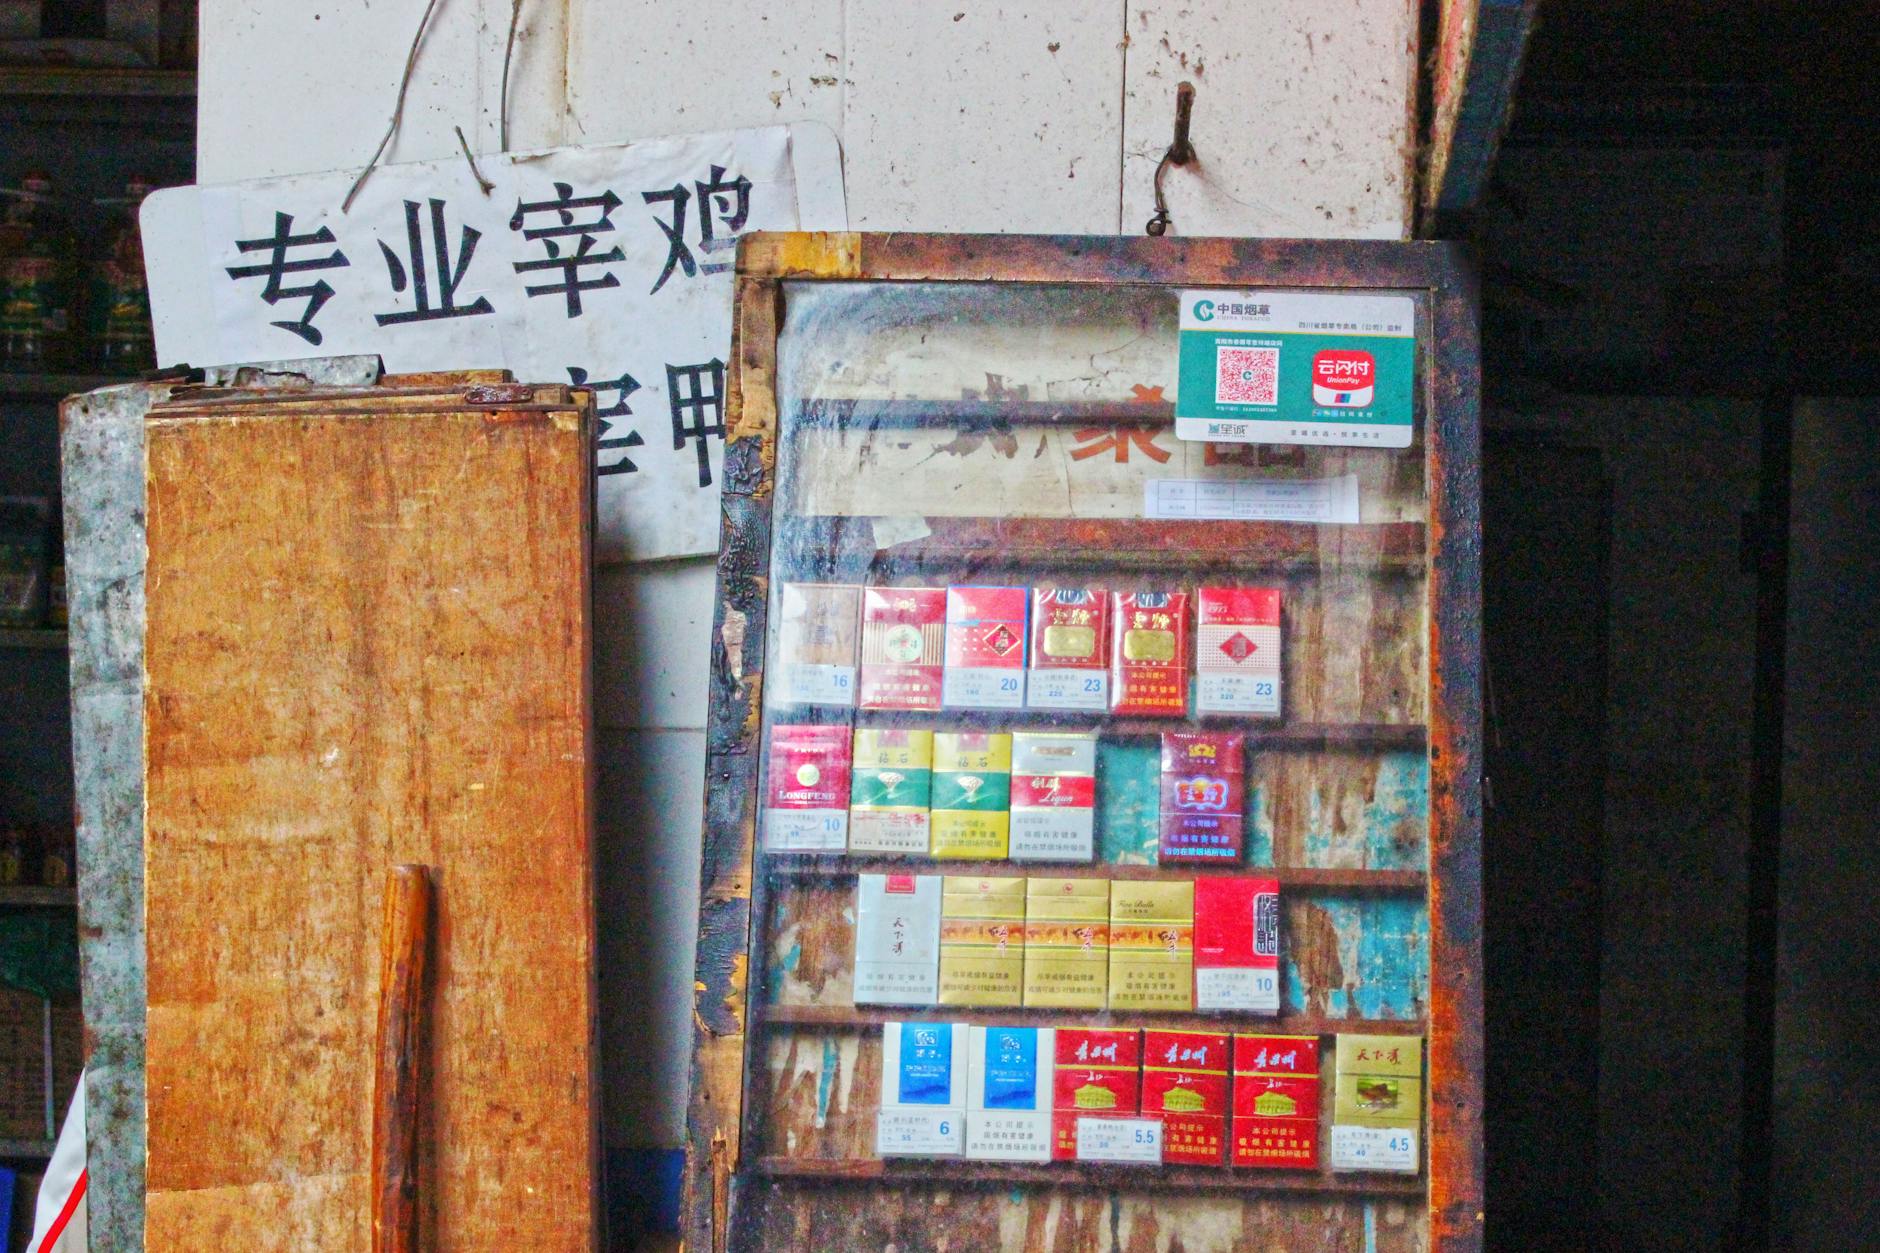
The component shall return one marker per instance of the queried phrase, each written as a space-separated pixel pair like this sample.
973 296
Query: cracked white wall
954 116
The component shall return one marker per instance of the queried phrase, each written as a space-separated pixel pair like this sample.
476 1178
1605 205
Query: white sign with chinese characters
607 265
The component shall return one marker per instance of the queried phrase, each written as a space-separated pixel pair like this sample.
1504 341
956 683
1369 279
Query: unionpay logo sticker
1344 378
1295 367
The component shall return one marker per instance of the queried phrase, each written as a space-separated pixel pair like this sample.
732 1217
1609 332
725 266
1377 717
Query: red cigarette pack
903 647
1070 649
1185 1082
1237 944
807 790
1098 1072
1149 653
1237 650
1276 1101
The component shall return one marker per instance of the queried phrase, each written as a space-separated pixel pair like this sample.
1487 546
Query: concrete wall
963 116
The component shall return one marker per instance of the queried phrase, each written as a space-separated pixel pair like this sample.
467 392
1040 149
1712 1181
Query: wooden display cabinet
931 410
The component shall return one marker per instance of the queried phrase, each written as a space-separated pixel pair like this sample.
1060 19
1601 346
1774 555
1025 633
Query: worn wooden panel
367 643
1339 809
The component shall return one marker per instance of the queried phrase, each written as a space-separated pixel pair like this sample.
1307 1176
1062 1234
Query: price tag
1247 988
920 1133
806 684
1236 694
1134 1140
1374 1148
806 830
982 687
1068 689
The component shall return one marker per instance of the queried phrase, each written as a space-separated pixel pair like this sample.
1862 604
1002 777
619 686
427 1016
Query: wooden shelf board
999 543
1383 736
63 80
58 386
26 1148
841 1016
34 637
1086 1174
34 894
1293 878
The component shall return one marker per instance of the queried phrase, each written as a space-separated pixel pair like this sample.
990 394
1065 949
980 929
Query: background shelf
1381 736
1085 1174
33 637
53 386
838 1016
33 894
1291 878
26 1148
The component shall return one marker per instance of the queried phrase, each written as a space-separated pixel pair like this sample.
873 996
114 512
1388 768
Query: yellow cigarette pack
982 941
1152 945
972 795
1067 943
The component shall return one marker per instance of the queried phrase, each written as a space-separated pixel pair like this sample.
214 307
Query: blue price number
1093 685
1008 685
840 681
1399 1144
946 1128
1263 688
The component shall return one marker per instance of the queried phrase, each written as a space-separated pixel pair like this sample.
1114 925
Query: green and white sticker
1296 368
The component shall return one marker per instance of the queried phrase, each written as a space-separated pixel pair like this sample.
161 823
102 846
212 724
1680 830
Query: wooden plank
1262 736
1180 1178
851 1016
367 642
1298 878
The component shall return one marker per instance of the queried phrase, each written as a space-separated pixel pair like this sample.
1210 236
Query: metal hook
1180 152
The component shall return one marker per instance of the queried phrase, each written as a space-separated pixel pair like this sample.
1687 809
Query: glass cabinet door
1091 785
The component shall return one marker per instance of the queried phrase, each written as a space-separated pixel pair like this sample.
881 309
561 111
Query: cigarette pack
1236 944
1276 1101
1070 649
897 939
808 790
1204 782
1237 650
1067 943
1152 935
892 788
903 647
923 1090
818 633
972 795
1184 1081
1377 1103
982 941
1098 1074
985 657
1054 796
1149 653
1008 1094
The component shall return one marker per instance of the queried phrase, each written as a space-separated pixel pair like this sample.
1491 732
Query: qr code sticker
1246 376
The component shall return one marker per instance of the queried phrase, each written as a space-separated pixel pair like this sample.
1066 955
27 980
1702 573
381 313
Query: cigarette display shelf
16 384
844 549
1086 1174
33 895
34 637
1291 878
1309 736
28 1150
842 1017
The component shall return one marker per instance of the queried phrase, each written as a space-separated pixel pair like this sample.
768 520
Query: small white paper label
806 830
1119 1140
1053 835
1236 693
1333 500
875 832
806 684
1374 1148
1068 689
905 1132
996 1136
982 687
1247 988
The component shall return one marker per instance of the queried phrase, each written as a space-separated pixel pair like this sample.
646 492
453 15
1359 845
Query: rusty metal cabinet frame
722 1072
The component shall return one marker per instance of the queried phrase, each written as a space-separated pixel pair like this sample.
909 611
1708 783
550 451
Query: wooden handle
404 955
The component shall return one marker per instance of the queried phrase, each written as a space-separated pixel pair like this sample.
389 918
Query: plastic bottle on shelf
36 288
117 305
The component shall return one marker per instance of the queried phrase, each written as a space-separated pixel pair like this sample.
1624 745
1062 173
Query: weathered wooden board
368 642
